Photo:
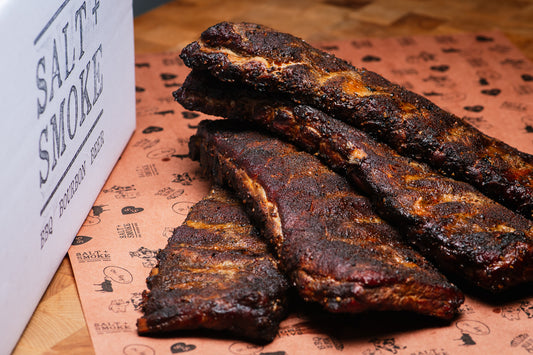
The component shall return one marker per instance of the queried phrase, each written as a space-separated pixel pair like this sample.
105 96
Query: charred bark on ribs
331 245
464 232
275 62
215 273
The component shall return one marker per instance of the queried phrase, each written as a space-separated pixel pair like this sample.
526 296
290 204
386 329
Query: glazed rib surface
461 230
275 62
331 245
215 273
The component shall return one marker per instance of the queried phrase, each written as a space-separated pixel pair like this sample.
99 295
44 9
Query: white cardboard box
67 105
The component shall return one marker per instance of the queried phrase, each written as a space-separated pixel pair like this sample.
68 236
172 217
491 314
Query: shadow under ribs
271 61
331 245
215 273
461 230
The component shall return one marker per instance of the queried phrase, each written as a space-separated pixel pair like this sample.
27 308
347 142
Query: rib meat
449 221
271 61
215 273
331 245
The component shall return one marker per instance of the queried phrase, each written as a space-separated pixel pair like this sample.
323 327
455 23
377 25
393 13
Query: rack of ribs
464 232
270 61
330 244
215 273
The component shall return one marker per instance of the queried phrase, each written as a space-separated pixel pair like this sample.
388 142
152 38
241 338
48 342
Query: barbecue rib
271 61
215 273
463 231
330 244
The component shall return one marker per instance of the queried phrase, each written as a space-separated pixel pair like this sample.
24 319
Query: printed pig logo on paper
121 305
68 85
122 192
384 345
148 256
524 310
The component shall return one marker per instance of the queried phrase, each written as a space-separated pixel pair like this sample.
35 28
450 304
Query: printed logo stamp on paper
180 347
138 349
112 274
182 207
524 341
242 348
129 230
326 342
170 193
110 327
147 170
432 351
471 328
93 256
81 239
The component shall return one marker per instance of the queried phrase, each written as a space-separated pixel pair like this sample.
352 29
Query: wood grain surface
58 326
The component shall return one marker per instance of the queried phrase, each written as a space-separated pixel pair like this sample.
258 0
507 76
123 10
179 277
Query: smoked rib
215 273
275 62
331 245
461 230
